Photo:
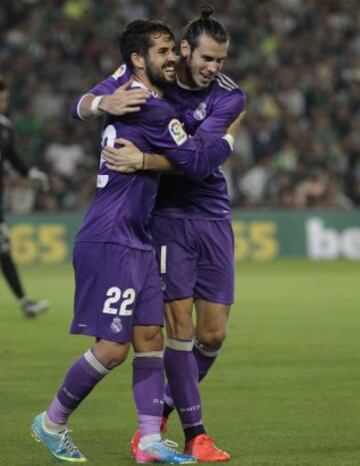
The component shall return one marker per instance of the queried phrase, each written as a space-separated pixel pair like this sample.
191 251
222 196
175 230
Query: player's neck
184 76
144 80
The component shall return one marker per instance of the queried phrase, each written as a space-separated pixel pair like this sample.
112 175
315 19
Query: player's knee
180 327
154 341
179 321
116 359
111 354
147 339
212 338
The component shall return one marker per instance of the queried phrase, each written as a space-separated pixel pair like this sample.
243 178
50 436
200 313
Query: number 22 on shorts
115 296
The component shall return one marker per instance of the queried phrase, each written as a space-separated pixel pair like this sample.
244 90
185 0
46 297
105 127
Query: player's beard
156 76
194 74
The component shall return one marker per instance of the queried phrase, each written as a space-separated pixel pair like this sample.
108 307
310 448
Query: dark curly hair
137 37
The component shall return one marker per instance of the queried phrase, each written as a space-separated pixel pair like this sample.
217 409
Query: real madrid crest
116 325
200 112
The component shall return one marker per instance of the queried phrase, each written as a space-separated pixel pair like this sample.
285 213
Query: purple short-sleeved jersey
124 203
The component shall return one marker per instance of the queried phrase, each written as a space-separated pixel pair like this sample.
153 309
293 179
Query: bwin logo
327 243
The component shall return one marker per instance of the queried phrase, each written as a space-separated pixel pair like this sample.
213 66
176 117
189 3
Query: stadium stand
298 61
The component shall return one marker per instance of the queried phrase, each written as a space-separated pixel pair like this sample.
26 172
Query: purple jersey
124 203
206 114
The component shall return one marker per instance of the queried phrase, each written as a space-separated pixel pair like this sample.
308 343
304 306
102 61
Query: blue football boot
60 445
162 451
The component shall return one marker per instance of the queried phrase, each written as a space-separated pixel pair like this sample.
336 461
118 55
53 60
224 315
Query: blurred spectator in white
47 104
254 183
297 61
64 156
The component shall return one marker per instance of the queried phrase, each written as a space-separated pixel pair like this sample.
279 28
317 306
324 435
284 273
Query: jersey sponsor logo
116 325
177 131
119 72
200 112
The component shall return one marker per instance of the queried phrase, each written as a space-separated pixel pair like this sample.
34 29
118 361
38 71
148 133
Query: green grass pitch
285 391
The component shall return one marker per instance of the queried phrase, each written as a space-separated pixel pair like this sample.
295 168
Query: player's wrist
96 107
229 138
144 161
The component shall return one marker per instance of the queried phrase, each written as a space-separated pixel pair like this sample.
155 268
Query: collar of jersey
140 84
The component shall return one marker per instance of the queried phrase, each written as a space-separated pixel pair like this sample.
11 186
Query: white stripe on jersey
224 86
163 251
228 80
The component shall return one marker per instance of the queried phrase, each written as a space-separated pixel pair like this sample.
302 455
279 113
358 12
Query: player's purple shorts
115 288
196 258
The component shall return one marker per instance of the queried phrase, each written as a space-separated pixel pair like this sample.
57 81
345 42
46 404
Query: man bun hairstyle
206 11
207 25
137 37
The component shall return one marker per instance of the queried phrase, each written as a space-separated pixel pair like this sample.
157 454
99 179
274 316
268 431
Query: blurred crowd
297 60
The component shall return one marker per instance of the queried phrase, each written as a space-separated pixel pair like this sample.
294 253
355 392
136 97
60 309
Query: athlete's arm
120 102
128 158
112 96
36 176
225 109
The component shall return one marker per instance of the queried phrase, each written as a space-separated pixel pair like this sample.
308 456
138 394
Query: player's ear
137 60
185 49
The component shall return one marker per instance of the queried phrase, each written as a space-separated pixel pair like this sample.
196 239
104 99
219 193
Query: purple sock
205 358
80 379
148 390
182 375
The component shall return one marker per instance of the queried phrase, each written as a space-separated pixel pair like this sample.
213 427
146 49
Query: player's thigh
150 300
179 322
211 320
110 280
215 264
176 256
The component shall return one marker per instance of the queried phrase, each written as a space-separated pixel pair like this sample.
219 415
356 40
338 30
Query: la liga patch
177 132
119 72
